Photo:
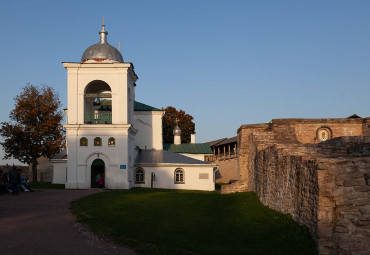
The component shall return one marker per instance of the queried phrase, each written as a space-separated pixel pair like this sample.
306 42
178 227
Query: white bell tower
100 134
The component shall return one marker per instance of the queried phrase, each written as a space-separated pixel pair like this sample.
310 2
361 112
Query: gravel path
37 223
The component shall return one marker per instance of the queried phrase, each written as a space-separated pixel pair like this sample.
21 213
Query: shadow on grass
46 185
182 222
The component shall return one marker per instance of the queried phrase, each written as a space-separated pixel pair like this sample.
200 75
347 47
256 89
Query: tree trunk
34 171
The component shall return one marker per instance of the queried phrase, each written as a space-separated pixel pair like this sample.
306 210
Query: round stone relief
323 134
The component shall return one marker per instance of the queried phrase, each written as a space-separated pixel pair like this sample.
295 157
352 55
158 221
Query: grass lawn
182 222
46 185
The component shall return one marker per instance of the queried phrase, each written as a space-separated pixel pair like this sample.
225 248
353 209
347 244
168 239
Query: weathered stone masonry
325 186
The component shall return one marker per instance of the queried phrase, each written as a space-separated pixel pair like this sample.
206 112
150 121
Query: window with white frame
139 175
179 176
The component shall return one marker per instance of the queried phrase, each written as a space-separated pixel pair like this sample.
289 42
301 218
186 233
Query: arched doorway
97 171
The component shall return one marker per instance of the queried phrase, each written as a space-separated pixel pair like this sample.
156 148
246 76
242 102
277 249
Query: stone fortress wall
227 170
323 185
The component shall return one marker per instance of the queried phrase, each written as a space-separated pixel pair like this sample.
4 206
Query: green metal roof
144 107
191 148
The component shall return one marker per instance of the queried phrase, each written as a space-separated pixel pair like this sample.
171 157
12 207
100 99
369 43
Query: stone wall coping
252 126
318 121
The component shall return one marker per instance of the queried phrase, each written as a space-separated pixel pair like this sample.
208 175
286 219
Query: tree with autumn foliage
34 129
185 122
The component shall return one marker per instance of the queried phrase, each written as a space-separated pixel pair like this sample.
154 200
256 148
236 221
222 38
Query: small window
97 141
139 175
179 176
111 142
83 141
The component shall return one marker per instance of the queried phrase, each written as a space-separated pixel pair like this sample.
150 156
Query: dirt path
40 223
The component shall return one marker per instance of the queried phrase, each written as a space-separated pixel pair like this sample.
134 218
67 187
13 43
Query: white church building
109 134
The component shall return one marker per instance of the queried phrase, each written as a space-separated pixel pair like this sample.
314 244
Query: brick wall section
366 127
291 131
344 206
243 147
239 186
324 186
227 170
287 183
305 129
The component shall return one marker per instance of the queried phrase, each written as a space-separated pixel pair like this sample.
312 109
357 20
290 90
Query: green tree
185 122
34 129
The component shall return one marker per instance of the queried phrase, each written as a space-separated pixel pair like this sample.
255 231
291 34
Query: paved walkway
37 223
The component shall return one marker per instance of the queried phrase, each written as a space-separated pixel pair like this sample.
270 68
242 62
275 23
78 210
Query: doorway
98 174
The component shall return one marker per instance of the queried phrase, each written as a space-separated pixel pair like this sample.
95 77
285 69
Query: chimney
192 137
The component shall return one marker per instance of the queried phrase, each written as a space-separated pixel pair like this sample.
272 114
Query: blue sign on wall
122 167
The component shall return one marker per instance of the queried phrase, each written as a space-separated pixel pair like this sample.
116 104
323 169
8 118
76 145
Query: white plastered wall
59 171
80 158
195 177
194 156
149 126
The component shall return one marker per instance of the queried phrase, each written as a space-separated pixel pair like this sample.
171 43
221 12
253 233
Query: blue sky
226 63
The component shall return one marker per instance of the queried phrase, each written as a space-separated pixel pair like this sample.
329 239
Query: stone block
356 195
340 229
324 250
348 216
326 242
343 223
353 182
341 191
362 188
342 201
364 252
325 215
362 232
326 193
365 241
325 229
364 217
343 210
361 223
322 165
350 245
326 202
339 182
365 210
362 201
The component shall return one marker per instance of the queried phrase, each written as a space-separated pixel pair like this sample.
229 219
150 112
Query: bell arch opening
98 174
98 103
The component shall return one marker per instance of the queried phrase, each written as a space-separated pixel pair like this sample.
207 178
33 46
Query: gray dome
102 50
177 131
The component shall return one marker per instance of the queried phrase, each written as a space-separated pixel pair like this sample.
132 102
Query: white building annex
108 133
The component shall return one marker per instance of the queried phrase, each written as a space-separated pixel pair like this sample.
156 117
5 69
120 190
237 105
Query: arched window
97 141
83 141
139 175
179 176
98 103
111 142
